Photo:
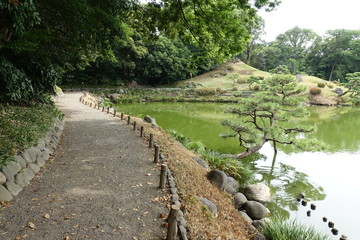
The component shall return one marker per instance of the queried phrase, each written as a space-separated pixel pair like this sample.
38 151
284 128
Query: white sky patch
318 15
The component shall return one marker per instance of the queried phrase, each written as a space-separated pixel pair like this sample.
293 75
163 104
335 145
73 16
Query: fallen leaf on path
67 238
47 216
149 183
31 225
163 216
35 199
148 174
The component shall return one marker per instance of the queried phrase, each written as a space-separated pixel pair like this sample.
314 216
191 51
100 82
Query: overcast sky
318 15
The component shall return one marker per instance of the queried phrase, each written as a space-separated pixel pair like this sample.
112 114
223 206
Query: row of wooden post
172 218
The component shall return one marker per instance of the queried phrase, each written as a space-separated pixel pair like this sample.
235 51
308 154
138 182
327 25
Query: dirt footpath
101 184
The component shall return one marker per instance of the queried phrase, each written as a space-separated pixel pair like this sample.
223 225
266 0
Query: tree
353 85
265 117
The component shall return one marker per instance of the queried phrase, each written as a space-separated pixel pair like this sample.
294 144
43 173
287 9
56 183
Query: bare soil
100 184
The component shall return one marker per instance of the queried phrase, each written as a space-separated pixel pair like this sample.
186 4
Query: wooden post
90 104
103 109
85 103
98 106
141 131
157 153
128 120
108 110
114 113
122 116
163 176
151 141
172 227
135 125
80 98
95 105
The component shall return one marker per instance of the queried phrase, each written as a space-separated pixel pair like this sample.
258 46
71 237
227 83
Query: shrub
261 77
256 87
205 91
241 81
234 88
330 86
321 84
230 68
315 91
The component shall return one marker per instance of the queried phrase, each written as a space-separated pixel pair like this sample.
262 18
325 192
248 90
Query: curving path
102 184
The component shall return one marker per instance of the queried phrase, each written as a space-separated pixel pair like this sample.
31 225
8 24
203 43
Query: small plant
315 91
330 86
241 81
261 77
234 88
321 84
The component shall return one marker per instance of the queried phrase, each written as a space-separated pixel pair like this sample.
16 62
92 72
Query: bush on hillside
321 84
205 91
315 91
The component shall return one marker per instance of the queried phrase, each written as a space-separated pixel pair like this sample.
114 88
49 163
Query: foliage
315 91
253 80
21 127
281 69
215 160
353 85
321 84
281 229
265 117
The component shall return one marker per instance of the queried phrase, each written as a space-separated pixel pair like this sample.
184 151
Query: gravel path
102 184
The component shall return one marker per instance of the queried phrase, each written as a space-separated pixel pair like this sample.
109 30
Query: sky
318 15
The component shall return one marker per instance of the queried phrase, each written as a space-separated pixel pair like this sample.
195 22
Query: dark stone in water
324 219
302 195
304 202
313 206
331 224
334 231
343 237
308 213
298 199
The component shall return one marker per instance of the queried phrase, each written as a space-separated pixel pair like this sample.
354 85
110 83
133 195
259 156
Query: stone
239 200
260 223
5 195
149 119
34 152
245 217
40 161
231 185
217 178
41 144
13 188
338 91
210 205
201 162
21 180
258 236
255 210
11 169
26 156
28 174
2 178
35 168
257 192
21 161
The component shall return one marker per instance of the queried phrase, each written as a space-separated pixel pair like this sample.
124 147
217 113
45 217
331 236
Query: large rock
255 210
239 200
5 195
11 169
257 192
245 217
21 180
26 156
33 153
217 178
210 205
21 161
231 185
28 174
201 162
13 188
2 178
149 119
35 168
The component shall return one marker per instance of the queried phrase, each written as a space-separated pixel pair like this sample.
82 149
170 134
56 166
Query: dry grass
192 182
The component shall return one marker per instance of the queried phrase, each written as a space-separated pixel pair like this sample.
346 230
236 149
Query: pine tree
264 117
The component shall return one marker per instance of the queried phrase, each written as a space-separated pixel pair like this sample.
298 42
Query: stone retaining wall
15 175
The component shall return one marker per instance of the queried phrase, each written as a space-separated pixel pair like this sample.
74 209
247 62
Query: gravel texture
100 184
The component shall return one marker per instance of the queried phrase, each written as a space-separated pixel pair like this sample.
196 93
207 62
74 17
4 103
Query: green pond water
330 179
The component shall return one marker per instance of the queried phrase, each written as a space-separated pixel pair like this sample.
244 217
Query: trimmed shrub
230 68
234 88
261 77
330 86
205 91
321 84
256 87
315 91
241 81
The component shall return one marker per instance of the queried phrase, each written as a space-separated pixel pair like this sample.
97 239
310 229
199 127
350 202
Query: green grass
21 127
280 229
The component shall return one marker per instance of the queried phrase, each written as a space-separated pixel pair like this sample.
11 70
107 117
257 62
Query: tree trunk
251 150
332 71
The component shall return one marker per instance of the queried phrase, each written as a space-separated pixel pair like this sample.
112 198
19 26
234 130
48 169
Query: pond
329 179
